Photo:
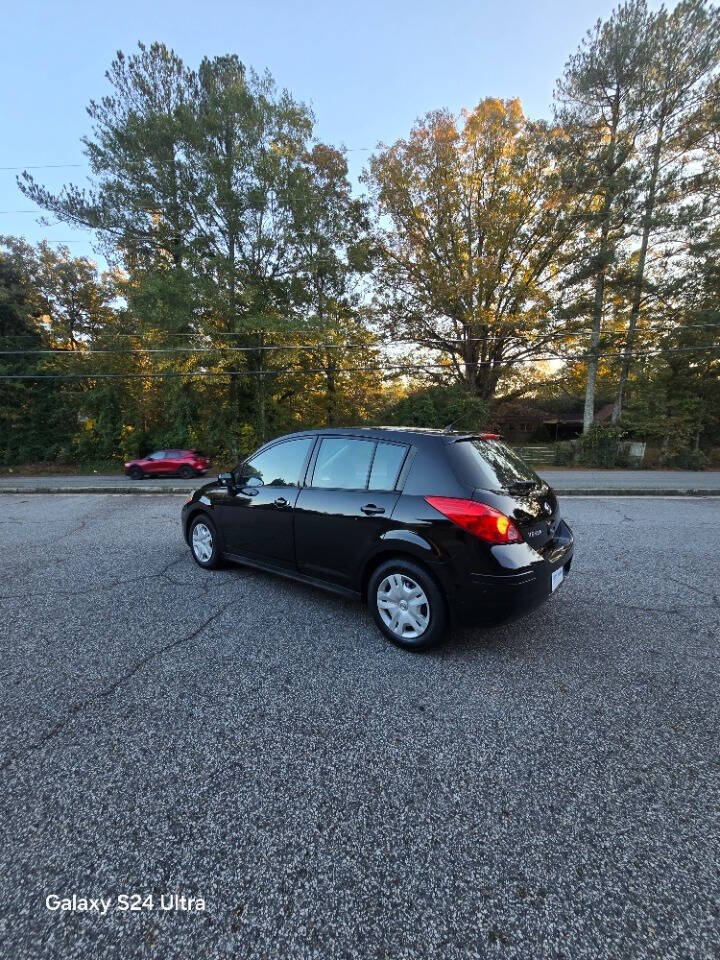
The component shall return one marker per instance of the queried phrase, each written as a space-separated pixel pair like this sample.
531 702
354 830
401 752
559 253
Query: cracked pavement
544 789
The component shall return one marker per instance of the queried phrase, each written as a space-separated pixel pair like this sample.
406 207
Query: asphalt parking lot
550 788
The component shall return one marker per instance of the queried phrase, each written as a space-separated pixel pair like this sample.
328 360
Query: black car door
345 506
257 515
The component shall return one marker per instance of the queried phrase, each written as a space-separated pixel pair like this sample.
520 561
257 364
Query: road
543 789
640 481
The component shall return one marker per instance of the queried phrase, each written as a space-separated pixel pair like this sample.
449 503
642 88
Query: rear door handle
249 491
372 509
281 502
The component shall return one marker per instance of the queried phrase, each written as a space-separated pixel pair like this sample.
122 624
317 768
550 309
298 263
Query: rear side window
386 466
490 464
343 463
280 466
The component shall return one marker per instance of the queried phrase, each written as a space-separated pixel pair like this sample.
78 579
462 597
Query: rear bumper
524 583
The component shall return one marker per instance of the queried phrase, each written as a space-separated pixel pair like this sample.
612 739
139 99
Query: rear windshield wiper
522 485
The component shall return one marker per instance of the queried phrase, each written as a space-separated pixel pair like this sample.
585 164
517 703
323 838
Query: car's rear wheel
407 604
135 473
186 472
204 544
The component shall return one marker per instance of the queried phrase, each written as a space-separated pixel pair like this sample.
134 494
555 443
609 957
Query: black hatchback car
428 527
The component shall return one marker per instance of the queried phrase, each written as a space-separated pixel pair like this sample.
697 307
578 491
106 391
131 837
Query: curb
635 492
560 491
39 488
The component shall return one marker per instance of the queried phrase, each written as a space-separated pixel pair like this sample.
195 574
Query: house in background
559 418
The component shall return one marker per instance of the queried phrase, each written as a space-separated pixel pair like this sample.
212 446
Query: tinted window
343 462
158 455
280 466
491 465
386 466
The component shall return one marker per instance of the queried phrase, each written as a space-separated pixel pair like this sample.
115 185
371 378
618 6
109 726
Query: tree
40 309
74 300
601 103
685 47
335 255
140 204
472 222
222 218
247 150
17 332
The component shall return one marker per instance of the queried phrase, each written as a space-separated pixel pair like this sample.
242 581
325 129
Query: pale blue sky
367 69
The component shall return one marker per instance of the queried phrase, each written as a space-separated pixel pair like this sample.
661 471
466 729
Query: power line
197 373
68 166
388 369
53 240
428 343
220 348
45 166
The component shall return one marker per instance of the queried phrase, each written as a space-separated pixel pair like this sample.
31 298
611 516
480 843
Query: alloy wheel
202 542
403 606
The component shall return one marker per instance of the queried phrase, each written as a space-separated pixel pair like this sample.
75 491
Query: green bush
564 453
437 407
688 459
599 446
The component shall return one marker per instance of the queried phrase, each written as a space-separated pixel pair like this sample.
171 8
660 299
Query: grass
51 468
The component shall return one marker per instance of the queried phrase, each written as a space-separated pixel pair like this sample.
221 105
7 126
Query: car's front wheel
407 604
204 544
135 473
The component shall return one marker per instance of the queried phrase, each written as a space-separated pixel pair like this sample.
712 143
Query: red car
163 463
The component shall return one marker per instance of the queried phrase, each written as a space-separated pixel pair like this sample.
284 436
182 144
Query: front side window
281 465
343 463
386 466
158 455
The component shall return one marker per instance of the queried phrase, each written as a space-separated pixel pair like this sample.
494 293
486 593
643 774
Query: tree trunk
233 406
260 404
639 277
331 391
589 411
599 299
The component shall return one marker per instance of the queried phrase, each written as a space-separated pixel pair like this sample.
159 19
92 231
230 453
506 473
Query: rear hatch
490 466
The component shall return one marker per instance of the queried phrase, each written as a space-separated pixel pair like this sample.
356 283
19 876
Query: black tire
186 472
135 473
214 560
433 610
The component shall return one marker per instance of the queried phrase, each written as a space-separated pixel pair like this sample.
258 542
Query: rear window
491 465
386 466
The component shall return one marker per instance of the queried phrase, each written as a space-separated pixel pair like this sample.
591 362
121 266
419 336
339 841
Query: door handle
249 491
372 509
281 502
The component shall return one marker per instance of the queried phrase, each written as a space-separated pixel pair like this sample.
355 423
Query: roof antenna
449 427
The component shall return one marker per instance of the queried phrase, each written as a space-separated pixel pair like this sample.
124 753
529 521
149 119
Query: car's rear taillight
482 521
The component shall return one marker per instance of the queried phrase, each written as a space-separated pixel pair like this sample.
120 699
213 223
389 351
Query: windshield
492 465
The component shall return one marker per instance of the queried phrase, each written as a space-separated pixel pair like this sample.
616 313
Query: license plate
557 577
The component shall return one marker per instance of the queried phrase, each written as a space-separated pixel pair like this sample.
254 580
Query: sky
368 69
